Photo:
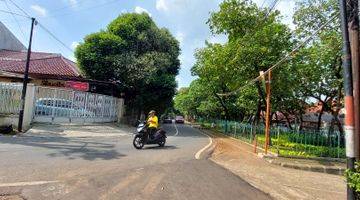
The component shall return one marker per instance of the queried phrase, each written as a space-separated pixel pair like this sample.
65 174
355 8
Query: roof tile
40 63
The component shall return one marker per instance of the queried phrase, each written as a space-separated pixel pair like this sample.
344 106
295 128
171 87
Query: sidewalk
86 130
279 182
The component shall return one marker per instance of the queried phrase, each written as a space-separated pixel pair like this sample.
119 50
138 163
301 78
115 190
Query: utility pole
26 78
353 28
349 100
268 110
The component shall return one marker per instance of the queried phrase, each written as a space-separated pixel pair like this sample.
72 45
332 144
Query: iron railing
284 141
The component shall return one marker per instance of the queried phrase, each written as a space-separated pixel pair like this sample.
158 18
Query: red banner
81 86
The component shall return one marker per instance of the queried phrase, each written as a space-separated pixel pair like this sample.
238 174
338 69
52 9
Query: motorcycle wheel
138 142
162 143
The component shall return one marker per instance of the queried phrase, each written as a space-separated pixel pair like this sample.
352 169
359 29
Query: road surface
108 167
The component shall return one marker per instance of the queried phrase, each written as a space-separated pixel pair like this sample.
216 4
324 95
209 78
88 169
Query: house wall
8 41
38 82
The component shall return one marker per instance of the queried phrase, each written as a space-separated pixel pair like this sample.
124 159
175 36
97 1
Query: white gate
68 106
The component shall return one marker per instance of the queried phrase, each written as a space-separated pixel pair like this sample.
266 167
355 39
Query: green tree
135 52
257 40
318 65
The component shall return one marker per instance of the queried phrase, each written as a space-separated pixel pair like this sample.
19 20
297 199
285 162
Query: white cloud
39 10
161 5
74 45
142 10
73 3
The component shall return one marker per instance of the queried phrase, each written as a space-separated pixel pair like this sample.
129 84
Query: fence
56 105
10 98
61 105
283 141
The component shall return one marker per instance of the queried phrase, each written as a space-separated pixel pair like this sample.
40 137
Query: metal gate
69 106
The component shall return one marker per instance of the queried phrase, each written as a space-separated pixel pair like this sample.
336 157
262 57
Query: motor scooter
143 138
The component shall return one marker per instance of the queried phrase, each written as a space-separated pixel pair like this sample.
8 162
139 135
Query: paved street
43 166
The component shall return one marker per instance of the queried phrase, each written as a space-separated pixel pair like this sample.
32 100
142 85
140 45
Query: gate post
29 105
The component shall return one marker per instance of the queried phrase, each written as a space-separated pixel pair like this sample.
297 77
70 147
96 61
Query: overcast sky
71 20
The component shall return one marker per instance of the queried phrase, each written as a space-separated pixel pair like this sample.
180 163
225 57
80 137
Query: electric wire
13 13
84 9
43 27
285 58
17 22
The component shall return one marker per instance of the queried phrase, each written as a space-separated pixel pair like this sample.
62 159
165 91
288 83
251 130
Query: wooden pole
268 110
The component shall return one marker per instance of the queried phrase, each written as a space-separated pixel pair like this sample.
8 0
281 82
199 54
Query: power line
263 3
272 6
85 9
288 56
44 28
64 7
17 22
56 38
18 7
8 12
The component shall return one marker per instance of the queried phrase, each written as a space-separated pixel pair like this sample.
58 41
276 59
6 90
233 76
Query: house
312 113
9 41
45 69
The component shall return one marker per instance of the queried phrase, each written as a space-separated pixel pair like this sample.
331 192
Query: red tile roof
40 64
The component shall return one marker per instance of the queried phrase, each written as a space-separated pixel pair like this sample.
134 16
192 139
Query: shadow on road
72 148
170 147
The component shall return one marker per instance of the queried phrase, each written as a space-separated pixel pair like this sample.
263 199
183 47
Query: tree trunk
288 121
223 105
320 116
301 123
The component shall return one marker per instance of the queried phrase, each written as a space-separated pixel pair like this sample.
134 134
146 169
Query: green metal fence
283 141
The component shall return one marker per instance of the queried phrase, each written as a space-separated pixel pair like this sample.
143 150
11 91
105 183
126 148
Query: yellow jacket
153 122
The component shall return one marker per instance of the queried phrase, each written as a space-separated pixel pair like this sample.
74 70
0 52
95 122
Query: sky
71 20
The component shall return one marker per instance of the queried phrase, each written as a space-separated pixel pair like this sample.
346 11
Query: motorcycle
143 138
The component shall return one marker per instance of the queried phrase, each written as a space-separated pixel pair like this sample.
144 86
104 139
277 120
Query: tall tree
318 65
257 38
135 52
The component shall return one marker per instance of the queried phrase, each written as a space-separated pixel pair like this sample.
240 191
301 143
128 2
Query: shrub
353 178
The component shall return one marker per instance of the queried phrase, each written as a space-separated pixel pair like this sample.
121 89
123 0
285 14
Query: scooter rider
152 123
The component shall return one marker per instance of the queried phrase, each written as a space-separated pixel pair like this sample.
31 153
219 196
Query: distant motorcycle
143 138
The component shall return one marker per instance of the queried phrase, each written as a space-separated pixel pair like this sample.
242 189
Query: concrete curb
319 168
209 150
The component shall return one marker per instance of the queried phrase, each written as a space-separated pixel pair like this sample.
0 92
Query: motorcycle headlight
139 129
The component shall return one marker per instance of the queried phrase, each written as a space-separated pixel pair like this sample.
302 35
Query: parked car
59 107
167 120
179 119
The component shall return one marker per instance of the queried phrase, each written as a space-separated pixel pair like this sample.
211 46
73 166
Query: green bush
353 177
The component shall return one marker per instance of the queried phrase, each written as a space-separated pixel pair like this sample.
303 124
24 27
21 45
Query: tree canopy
257 39
133 51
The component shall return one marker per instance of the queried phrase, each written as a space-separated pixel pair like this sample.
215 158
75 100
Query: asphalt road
109 167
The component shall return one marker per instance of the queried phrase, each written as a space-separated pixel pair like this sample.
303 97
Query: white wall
28 112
